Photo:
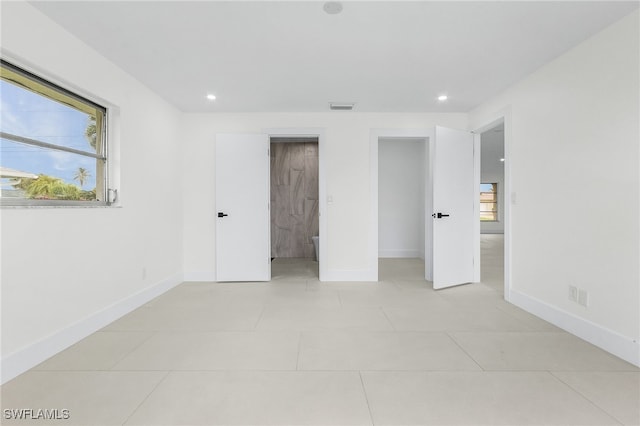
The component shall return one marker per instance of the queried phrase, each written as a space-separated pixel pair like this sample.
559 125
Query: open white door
242 208
454 207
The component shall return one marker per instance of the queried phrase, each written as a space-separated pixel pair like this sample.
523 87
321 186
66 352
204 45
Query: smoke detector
332 7
341 106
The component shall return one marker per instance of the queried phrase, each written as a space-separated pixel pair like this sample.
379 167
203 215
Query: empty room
320 213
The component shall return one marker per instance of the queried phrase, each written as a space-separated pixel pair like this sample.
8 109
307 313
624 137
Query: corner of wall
621 346
26 358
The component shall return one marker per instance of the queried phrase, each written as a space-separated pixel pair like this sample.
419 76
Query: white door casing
242 207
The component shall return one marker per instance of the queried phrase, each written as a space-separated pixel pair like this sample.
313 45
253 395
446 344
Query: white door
454 214
242 208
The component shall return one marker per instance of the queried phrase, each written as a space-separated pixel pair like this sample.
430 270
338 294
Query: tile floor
299 352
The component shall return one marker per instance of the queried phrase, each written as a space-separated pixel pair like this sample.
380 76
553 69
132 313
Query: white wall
69 271
66 272
348 180
401 197
492 171
572 141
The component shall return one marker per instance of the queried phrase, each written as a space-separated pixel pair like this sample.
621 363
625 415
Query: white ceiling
292 56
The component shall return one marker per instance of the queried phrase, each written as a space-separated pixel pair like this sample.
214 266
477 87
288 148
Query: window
52 143
489 202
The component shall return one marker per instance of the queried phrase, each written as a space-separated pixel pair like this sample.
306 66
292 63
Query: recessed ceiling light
332 7
211 97
443 97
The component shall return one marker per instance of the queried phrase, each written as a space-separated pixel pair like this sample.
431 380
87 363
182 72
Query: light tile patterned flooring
299 352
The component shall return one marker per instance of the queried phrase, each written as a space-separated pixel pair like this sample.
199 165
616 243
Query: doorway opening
495 135
492 207
402 177
451 207
294 189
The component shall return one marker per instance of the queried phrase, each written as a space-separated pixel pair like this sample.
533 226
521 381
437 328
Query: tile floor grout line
464 350
551 373
264 307
147 397
151 335
393 327
553 378
526 326
288 370
366 398
531 328
299 347
396 285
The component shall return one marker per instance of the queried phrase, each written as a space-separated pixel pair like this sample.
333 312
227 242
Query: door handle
439 215
221 214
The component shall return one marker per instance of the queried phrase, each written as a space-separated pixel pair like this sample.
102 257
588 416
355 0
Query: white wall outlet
573 293
144 273
583 298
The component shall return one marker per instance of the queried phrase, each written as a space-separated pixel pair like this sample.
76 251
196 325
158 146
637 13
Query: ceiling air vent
341 106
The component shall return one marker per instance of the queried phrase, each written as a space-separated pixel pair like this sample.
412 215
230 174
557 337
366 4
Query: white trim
401 253
373 254
350 275
28 357
506 199
200 276
604 338
323 271
428 209
476 209
374 137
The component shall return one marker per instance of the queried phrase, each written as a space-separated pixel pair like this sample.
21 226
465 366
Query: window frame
497 210
103 197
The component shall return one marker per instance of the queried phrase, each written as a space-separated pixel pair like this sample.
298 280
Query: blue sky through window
28 114
486 187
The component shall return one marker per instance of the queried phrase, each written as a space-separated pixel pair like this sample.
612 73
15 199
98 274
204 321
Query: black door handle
220 214
439 215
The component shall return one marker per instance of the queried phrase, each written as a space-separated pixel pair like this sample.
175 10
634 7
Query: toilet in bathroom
315 246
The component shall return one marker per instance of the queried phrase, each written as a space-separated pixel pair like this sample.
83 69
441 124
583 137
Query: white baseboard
199 276
331 275
26 358
401 253
349 275
609 340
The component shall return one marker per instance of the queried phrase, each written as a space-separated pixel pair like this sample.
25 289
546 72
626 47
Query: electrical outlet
144 273
573 293
583 298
